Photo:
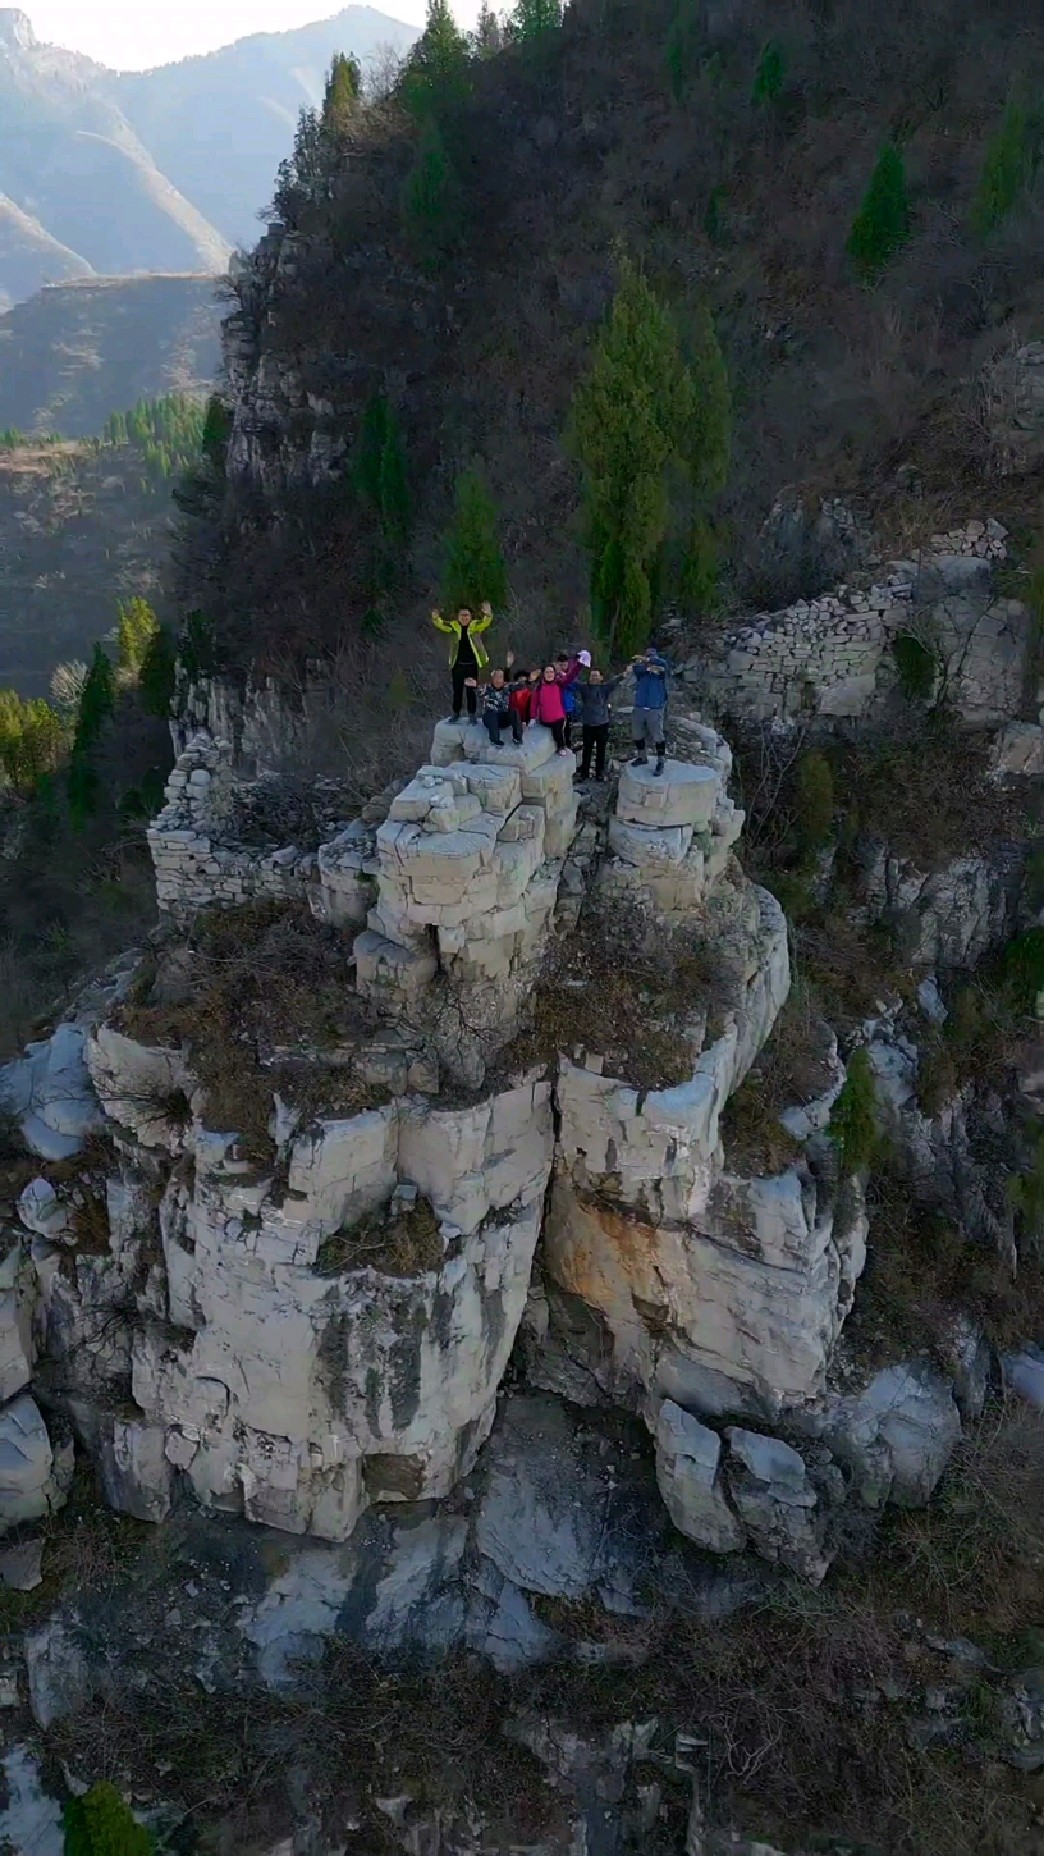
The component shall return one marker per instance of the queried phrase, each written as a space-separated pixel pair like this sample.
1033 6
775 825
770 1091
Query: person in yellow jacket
468 655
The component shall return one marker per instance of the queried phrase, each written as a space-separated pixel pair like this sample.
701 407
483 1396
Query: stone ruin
230 1338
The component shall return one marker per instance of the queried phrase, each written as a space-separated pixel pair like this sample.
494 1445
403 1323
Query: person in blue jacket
652 674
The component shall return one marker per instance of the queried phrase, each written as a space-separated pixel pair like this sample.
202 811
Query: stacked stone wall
830 659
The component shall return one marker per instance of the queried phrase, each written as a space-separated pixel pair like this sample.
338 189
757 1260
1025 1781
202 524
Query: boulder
49 1093
688 1458
896 1436
771 1491
56 1665
34 1477
1024 1375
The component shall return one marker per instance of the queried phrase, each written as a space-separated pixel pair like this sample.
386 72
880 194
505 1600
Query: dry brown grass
792 1070
260 996
616 989
922 1269
405 1245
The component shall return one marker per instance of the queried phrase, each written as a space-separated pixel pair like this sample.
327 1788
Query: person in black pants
497 712
468 656
595 716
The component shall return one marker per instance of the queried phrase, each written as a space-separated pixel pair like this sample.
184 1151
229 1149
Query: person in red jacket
522 697
547 706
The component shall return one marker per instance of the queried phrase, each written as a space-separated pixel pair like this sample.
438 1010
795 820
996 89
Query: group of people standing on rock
556 696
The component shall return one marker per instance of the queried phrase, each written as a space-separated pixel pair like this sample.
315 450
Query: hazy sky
134 34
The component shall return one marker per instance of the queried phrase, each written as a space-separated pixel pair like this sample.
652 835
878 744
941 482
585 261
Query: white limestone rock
1024 1374
688 1460
684 794
17 1302
143 1089
34 1476
301 1397
56 1666
49 1093
896 1436
771 1491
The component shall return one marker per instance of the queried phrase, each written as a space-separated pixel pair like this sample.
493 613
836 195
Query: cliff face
314 1312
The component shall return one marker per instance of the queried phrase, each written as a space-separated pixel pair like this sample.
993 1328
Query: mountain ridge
163 170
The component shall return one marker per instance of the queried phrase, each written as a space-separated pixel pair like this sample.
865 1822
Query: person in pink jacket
548 706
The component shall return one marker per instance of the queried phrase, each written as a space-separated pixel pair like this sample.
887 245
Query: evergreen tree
533 21
380 469
217 430
101 1824
136 629
156 678
303 178
770 75
853 1120
635 415
97 704
474 567
432 215
34 740
1006 169
488 36
882 225
341 99
436 79
815 801
682 49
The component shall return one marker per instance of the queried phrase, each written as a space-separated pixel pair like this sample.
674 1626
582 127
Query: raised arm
484 620
441 624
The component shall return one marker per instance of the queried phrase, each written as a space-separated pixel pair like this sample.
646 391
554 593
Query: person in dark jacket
649 717
496 707
468 655
595 717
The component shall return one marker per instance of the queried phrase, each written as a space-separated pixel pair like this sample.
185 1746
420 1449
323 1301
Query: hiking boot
451 718
640 760
658 769
497 744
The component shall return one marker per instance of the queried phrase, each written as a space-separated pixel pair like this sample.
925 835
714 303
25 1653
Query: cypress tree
341 98
853 1121
882 224
771 72
156 679
217 430
815 801
474 566
643 414
488 37
533 21
431 203
1006 169
135 632
436 79
101 1824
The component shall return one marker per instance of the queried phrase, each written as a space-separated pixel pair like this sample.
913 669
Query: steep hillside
73 354
838 388
71 160
30 256
219 125
82 527
160 170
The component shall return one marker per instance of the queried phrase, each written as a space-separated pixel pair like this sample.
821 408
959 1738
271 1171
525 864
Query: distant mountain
70 161
219 125
154 171
75 353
